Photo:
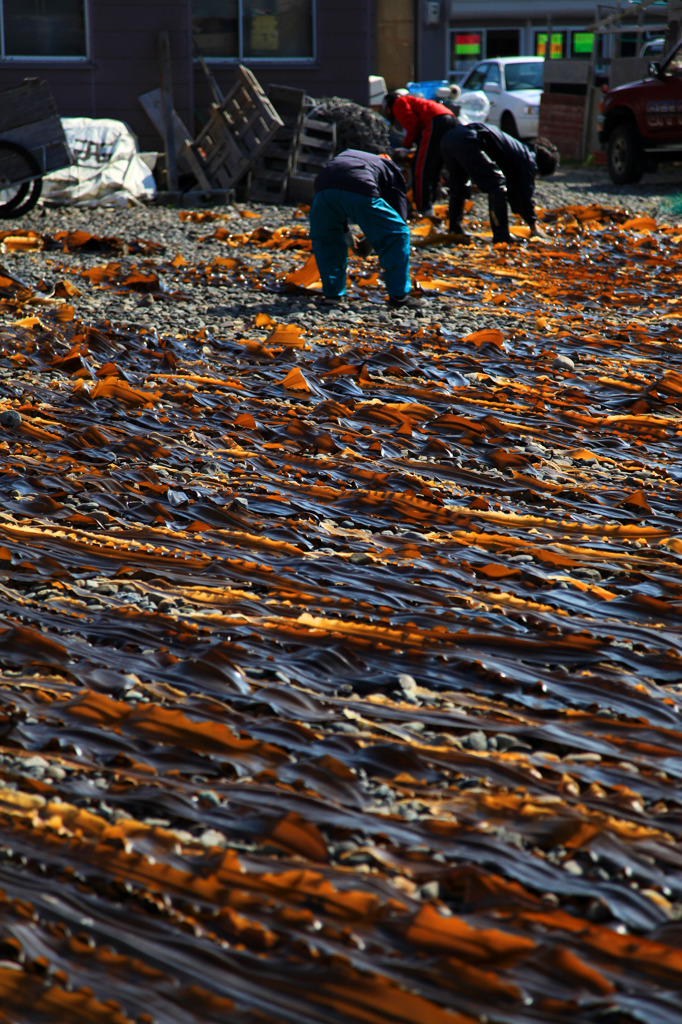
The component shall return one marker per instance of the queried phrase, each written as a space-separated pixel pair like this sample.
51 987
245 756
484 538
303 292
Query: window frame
260 61
558 30
452 46
76 58
454 65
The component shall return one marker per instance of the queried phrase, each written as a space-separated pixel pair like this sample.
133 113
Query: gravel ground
656 195
209 304
514 803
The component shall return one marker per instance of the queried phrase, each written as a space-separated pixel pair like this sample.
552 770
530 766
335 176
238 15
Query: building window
582 44
557 45
253 29
466 46
43 28
502 42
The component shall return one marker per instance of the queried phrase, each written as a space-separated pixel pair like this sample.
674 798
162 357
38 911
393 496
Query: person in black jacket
500 165
368 190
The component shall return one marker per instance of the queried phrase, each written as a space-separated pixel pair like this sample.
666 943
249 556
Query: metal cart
32 142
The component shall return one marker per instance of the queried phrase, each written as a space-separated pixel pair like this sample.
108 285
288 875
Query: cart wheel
20 179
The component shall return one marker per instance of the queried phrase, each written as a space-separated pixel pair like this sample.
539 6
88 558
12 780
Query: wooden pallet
195 197
29 116
187 162
315 147
270 174
237 132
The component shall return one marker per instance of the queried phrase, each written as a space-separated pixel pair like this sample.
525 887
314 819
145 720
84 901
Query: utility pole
674 24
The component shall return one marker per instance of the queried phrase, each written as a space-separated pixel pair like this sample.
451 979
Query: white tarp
108 168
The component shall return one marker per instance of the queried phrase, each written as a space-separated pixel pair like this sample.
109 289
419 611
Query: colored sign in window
264 32
556 45
467 44
583 43
245 29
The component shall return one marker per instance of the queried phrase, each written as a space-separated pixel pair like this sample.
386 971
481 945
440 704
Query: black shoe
458 236
338 301
408 301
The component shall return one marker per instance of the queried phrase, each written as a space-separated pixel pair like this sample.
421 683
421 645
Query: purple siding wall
346 57
124 62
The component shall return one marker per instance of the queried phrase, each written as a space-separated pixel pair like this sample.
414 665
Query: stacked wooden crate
315 146
237 132
270 174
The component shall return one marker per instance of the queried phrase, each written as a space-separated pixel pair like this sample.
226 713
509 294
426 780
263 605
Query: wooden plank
301 189
216 91
196 197
186 159
266 190
13 168
26 103
45 140
151 104
309 138
167 110
287 101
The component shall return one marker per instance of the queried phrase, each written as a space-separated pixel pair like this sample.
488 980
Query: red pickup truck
640 124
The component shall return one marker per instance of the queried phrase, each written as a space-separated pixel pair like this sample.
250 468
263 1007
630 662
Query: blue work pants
332 211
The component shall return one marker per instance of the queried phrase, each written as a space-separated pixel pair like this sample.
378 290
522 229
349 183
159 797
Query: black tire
624 155
508 125
20 179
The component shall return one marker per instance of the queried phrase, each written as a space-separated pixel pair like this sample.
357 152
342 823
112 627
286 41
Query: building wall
123 63
431 26
346 57
582 10
530 16
395 42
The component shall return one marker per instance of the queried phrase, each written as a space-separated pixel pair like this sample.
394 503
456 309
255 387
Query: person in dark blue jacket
500 165
368 190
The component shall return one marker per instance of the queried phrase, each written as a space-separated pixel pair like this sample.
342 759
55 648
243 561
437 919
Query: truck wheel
20 179
508 125
624 155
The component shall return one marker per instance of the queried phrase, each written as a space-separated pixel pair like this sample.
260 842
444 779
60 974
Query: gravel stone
224 308
213 838
430 891
476 740
10 419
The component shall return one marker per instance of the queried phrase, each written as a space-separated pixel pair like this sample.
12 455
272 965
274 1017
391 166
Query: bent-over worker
424 122
499 165
368 190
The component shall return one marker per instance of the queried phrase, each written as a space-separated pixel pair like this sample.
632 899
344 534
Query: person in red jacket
424 122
